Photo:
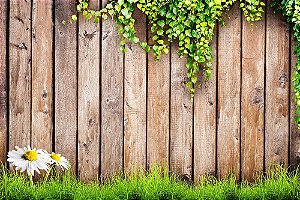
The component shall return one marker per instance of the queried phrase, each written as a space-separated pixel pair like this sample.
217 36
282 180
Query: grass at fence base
277 184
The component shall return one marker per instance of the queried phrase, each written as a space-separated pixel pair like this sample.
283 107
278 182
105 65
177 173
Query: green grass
277 184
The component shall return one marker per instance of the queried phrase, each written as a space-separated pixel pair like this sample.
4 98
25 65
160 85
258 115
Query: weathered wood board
229 93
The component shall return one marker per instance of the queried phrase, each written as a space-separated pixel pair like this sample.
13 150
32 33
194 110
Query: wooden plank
158 109
20 73
277 90
88 97
252 109
65 81
181 118
229 69
294 131
42 48
3 82
111 100
205 121
135 99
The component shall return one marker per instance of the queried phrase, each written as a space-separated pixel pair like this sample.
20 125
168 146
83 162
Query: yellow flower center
55 157
30 155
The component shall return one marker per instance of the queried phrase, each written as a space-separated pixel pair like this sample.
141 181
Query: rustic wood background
69 89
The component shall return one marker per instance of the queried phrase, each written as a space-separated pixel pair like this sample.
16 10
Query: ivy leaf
194 79
104 16
109 6
79 7
166 50
136 40
143 45
189 84
218 2
126 13
120 2
74 17
160 32
161 23
96 20
160 41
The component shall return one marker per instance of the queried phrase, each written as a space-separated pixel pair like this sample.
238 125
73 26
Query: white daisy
60 161
29 160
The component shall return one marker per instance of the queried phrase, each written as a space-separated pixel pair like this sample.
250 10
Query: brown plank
65 81
20 73
205 122
158 109
294 131
42 48
277 90
252 113
229 69
3 82
181 118
111 101
88 97
135 99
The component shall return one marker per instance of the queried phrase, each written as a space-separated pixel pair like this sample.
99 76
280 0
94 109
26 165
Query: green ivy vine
291 9
191 23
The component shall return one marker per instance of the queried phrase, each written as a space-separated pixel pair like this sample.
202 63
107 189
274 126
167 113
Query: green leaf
189 84
160 41
218 2
160 32
136 40
104 16
166 50
143 44
74 17
109 6
161 23
194 79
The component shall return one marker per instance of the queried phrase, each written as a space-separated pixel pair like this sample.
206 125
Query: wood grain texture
111 101
65 82
135 99
20 73
88 97
252 108
229 69
294 131
42 63
181 118
3 81
277 90
158 110
205 121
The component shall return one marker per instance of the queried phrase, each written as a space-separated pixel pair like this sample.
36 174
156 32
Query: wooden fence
69 89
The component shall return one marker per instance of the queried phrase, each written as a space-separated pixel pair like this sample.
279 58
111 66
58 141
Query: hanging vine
291 9
191 23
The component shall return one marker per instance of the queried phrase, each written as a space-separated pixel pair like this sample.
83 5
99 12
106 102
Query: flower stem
30 178
48 173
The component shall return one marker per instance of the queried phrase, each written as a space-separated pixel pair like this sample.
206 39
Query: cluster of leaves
191 23
291 9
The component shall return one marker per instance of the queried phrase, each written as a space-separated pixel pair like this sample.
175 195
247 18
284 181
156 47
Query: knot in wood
106 35
91 122
186 178
283 79
21 46
258 95
89 35
44 93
